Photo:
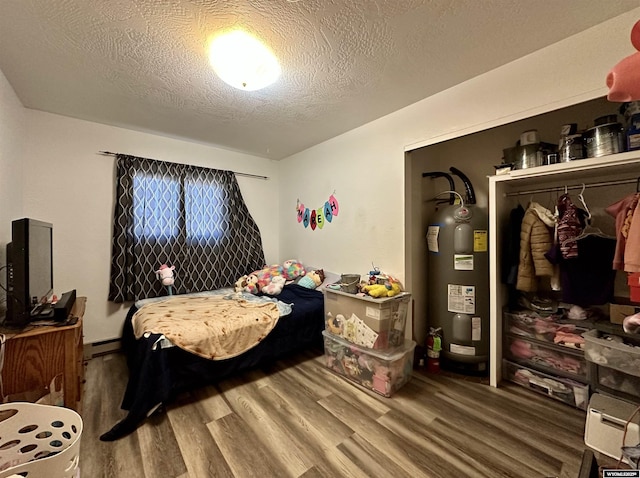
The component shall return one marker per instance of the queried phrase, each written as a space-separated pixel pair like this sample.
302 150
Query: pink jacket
622 210
632 248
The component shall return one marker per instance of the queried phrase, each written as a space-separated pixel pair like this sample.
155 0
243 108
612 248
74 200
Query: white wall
12 140
366 166
68 184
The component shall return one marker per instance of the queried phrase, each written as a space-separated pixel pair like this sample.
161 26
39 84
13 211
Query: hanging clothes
536 238
569 227
588 278
511 246
632 247
623 211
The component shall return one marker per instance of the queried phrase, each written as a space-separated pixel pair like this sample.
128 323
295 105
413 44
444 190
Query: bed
159 370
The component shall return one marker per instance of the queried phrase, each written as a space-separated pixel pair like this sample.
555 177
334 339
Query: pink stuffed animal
165 274
624 78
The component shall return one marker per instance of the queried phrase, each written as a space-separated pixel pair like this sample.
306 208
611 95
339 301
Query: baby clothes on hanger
569 227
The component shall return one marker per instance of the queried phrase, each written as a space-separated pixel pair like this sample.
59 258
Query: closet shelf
619 164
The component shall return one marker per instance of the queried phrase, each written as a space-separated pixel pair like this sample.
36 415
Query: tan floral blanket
212 327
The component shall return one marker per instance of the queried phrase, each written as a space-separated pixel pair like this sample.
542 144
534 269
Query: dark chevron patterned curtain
176 214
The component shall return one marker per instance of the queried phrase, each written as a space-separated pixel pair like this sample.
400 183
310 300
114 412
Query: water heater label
461 299
480 243
462 349
463 262
476 329
432 238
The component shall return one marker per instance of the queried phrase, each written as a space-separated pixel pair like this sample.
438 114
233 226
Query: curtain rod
579 186
246 175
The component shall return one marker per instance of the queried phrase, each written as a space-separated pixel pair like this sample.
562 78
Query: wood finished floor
298 419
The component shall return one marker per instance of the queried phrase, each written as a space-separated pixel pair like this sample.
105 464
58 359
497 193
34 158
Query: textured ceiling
143 64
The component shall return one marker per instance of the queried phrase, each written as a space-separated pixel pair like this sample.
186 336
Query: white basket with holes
39 441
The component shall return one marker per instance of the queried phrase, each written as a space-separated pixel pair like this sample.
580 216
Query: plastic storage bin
39 441
553 359
614 382
563 389
604 428
611 351
384 372
545 329
366 321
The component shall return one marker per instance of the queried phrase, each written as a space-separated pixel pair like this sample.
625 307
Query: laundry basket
39 441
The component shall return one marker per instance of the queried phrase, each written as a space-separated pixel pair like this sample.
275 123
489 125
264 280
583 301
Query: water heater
458 279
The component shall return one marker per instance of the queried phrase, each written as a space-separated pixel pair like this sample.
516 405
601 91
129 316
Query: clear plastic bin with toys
365 320
384 372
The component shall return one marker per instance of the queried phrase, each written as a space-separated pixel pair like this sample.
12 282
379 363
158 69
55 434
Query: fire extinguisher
434 346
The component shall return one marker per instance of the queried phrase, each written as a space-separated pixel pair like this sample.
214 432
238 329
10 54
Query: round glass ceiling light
243 61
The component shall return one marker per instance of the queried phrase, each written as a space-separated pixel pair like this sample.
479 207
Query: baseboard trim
96 349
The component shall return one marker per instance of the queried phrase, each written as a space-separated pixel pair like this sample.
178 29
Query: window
191 217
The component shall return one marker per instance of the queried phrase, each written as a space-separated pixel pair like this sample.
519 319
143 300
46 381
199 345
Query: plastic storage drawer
383 372
552 359
545 329
612 352
565 390
613 382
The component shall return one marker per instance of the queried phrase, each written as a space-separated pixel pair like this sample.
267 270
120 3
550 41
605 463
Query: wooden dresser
45 360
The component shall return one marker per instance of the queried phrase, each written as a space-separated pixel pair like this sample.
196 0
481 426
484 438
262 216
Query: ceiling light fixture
243 61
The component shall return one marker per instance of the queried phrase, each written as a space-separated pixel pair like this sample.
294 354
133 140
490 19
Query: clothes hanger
589 229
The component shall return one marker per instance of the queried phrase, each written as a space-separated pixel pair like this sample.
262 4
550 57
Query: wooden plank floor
298 419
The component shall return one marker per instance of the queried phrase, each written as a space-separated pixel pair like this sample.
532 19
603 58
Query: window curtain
186 216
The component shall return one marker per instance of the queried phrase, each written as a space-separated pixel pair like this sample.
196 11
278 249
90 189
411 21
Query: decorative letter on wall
316 218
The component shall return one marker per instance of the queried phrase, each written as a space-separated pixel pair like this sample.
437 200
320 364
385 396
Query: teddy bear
251 284
312 279
275 286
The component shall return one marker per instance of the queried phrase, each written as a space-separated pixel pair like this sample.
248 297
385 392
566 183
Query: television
29 271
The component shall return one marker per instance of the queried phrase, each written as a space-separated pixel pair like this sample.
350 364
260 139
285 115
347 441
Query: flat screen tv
29 270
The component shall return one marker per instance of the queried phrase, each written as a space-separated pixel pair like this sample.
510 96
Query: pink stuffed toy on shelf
624 78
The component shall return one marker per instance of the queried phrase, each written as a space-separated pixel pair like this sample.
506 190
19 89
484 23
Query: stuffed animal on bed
265 275
293 269
251 285
275 286
240 284
312 279
258 280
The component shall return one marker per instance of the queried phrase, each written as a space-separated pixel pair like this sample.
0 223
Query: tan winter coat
536 239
